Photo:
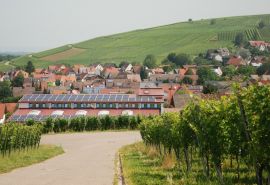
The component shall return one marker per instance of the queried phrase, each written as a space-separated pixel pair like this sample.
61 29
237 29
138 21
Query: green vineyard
17 137
251 34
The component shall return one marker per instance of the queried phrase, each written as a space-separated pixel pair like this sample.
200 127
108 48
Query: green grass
26 158
143 166
186 37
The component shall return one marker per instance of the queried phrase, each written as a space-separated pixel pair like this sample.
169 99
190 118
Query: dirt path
88 160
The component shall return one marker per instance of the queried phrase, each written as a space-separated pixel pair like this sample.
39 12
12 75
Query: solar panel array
86 98
23 118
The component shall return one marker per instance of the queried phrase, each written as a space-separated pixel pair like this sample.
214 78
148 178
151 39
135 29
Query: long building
41 106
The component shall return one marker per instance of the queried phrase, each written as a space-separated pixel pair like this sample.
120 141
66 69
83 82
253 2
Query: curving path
88 160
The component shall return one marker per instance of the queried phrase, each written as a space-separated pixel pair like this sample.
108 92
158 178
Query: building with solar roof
41 106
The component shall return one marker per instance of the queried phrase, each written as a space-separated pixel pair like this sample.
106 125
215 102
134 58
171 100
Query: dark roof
89 98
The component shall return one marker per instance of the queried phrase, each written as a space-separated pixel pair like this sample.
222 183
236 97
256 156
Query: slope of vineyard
186 37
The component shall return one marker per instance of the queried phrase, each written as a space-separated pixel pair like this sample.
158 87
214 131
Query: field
186 37
143 166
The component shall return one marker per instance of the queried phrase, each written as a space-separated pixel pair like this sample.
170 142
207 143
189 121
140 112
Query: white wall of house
2 120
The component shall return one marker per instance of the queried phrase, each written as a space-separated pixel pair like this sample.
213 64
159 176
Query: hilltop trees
240 39
150 61
29 68
206 74
261 24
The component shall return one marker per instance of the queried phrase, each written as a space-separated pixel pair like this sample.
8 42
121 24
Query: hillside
186 37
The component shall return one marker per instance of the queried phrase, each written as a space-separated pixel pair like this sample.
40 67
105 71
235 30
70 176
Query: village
171 84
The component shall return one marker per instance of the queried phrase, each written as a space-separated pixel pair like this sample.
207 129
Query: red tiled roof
151 92
90 112
11 107
2 110
258 43
236 61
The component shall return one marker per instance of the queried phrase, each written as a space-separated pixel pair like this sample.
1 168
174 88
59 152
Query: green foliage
192 39
261 24
209 89
5 90
182 59
240 39
18 81
236 127
150 61
206 74
29 68
246 70
213 21
143 73
263 69
187 80
17 137
229 71
57 82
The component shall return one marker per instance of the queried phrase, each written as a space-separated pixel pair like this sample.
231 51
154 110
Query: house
223 52
218 71
110 72
2 113
127 68
157 71
236 61
137 69
21 72
261 45
164 78
180 101
19 91
134 77
41 106
257 61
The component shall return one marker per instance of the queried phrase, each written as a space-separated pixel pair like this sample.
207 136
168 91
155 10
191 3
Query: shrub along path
88 159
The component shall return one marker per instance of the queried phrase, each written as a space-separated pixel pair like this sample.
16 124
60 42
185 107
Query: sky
36 25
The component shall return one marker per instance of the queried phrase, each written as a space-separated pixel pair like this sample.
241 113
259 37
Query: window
148 105
37 105
133 105
34 112
127 113
103 113
66 105
126 105
43 105
97 105
110 105
30 105
104 105
81 113
155 105
57 113
142 105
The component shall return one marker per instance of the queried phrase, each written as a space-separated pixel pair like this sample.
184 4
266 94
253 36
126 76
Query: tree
240 39
182 59
246 70
5 90
150 61
210 89
229 71
264 69
187 80
189 20
57 82
18 81
171 57
123 63
261 24
205 74
213 21
244 53
143 73
29 67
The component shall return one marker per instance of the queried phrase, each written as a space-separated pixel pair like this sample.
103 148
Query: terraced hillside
186 37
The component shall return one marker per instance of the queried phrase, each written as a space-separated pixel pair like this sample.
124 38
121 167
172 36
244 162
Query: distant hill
186 37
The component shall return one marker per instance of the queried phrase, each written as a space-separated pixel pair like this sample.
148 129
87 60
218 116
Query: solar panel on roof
119 97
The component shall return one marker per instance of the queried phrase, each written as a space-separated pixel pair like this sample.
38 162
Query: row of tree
80 124
17 137
235 127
